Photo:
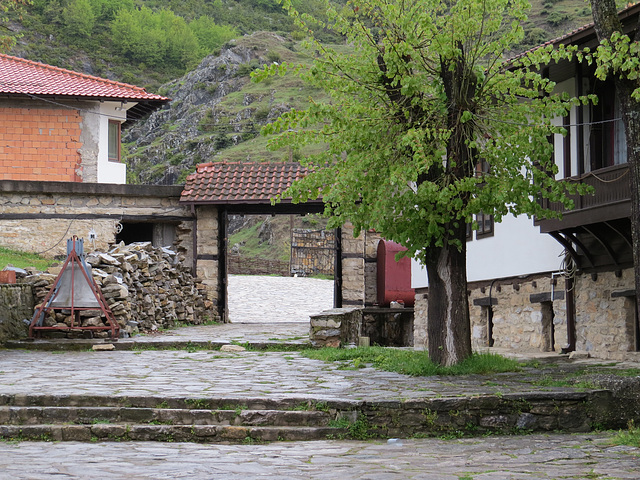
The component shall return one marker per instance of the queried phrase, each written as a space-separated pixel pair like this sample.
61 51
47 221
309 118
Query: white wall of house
516 248
110 172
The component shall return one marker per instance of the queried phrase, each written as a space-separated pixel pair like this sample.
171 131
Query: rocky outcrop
204 117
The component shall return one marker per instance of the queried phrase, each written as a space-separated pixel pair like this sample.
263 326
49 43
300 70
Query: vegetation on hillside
146 42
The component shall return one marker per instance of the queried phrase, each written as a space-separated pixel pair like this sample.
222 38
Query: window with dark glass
485 225
607 144
114 141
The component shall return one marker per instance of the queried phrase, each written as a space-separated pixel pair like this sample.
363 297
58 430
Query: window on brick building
114 141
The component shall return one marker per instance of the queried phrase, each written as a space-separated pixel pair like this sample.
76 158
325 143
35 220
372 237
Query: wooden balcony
611 200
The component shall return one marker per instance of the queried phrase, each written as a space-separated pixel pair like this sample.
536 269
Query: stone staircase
91 418
88 418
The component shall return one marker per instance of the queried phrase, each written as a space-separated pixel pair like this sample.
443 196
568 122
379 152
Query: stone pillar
420 340
359 267
207 253
352 268
371 240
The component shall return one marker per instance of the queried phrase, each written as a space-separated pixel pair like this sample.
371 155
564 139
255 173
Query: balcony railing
611 199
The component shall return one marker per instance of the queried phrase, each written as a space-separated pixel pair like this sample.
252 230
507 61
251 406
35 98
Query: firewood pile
147 288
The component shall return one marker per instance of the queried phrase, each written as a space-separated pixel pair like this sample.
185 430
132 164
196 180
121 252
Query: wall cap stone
20 186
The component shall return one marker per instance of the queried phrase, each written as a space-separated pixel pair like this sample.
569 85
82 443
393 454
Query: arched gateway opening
217 191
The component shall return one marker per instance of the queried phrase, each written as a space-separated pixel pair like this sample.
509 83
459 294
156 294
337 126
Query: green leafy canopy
421 96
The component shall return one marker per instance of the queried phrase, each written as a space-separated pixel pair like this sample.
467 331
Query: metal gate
312 252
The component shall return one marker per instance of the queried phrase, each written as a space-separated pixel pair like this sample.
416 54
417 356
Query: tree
106 10
427 125
619 56
211 36
78 18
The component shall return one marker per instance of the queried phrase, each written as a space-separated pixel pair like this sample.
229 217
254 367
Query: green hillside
145 42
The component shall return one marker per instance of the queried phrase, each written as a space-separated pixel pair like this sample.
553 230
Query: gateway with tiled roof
60 125
238 184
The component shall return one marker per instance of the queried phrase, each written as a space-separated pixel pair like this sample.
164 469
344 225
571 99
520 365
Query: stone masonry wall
526 320
40 216
518 322
605 324
420 340
16 305
352 268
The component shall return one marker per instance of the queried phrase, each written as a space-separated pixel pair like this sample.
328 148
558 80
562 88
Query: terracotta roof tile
25 77
239 182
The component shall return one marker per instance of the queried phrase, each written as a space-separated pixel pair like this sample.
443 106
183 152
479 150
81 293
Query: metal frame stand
74 290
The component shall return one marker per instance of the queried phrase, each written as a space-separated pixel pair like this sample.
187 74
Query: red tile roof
240 182
25 77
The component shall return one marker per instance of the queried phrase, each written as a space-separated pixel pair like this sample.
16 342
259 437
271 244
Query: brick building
60 125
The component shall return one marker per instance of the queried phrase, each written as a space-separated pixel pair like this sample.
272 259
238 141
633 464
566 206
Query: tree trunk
448 324
606 21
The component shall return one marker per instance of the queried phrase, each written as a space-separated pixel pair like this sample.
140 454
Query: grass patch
630 437
23 259
411 362
570 380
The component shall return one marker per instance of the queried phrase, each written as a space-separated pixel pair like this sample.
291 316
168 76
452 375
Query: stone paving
533 457
280 375
230 375
260 299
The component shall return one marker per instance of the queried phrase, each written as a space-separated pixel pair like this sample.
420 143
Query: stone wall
525 318
239 265
209 257
16 305
420 340
346 326
40 216
605 321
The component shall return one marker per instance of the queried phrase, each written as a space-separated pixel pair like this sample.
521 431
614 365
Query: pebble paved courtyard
278 375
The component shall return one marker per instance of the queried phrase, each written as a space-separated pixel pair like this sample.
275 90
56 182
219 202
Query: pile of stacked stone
146 288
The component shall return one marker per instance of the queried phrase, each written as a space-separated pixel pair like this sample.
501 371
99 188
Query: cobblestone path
530 457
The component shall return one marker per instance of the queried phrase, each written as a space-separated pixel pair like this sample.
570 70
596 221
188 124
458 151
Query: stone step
191 403
34 415
168 433
561 409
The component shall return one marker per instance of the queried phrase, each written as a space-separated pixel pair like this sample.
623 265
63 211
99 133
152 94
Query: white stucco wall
516 248
110 172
